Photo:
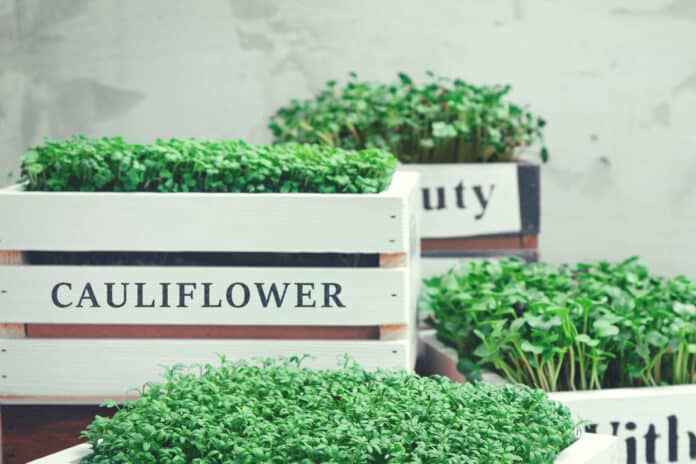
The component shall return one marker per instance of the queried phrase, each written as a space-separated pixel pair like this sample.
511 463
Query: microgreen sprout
442 121
278 412
589 326
111 164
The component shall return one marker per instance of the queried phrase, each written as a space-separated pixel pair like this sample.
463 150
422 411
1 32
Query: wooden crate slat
108 368
143 221
472 243
370 296
287 332
10 257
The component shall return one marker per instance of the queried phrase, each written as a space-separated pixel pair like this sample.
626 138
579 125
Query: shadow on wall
36 99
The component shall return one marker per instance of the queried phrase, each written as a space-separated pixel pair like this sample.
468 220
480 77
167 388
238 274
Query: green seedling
278 412
584 327
111 164
441 121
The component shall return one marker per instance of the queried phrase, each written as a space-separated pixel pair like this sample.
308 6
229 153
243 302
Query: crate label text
467 200
115 295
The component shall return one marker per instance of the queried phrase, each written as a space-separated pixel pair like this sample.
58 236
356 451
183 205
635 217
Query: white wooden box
477 210
589 449
655 424
67 332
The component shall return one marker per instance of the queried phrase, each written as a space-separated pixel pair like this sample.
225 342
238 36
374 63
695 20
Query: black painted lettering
183 294
650 439
440 198
245 292
459 191
615 428
206 296
54 294
141 296
110 295
265 298
165 295
88 294
331 291
302 294
631 445
692 445
672 438
483 201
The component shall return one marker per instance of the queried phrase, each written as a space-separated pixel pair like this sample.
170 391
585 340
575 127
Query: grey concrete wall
616 80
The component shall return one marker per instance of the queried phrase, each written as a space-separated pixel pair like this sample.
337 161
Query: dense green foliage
439 122
589 326
111 164
280 413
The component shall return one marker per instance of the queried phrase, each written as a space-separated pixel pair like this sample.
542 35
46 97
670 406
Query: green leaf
405 79
605 328
110 164
206 414
465 122
587 340
686 309
531 348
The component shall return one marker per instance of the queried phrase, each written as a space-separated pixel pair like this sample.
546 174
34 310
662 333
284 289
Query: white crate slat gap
95 369
589 449
259 222
372 296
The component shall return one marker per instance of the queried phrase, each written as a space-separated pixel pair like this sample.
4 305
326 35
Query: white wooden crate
61 370
478 210
654 424
589 449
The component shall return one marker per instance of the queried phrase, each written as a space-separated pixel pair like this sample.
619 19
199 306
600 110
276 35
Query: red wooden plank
506 242
530 241
203 331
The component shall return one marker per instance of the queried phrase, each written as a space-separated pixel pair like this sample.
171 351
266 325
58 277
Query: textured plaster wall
616 80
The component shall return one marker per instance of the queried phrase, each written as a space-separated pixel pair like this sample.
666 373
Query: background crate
509 227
